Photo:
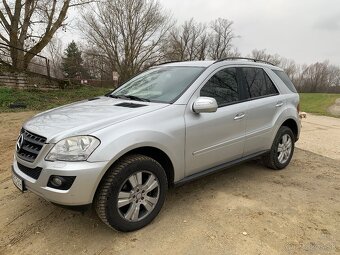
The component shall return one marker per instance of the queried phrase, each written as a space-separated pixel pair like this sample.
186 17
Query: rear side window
258 84
222 86
284 77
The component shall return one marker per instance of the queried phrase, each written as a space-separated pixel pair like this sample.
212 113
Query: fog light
57 181
60 182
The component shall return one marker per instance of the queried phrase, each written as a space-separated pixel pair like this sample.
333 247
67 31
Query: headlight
77 148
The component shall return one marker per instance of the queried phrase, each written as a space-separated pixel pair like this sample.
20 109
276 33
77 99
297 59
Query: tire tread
110 179
269 160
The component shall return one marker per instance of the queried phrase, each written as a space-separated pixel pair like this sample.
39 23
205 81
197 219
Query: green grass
317 103
38 100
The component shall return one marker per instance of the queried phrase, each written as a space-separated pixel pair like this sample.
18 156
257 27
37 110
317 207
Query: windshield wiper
117 96
137 98
130 97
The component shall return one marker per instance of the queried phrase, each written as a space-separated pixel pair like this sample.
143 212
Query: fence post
48 67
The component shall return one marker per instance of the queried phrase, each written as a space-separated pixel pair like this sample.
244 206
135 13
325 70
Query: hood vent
130 105
92 99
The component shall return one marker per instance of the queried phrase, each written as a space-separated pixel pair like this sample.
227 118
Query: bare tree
187 42
30 25
290 67
319 77
315 76
299 80
334 76
129 32
221 37
197 41
96 63
54 51
263 55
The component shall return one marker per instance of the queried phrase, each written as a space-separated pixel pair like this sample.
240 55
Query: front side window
258 84
222 86
161 84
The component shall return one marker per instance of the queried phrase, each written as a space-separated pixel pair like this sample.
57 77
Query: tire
273 159
128 184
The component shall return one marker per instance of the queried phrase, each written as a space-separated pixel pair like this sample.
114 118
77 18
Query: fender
288 113
112 151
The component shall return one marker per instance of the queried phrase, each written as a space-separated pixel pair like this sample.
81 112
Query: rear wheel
282 149
132 193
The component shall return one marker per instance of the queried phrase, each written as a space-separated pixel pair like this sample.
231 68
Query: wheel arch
153 152
293 125
160 156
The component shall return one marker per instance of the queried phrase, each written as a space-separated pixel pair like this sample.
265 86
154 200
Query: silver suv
168 125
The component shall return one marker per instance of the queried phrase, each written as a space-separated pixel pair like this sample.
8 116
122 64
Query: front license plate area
18 182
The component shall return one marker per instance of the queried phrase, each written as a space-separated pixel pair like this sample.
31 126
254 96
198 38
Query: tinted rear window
284 77
258 83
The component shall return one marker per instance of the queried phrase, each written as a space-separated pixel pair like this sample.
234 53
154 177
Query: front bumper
88 176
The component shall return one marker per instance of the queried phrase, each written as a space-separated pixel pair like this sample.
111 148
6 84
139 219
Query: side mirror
205 104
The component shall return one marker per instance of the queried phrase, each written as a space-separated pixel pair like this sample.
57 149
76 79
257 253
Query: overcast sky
304 30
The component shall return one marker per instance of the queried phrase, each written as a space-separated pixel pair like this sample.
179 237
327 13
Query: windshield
161 84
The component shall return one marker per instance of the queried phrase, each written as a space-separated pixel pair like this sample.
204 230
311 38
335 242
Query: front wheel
282 149
132 193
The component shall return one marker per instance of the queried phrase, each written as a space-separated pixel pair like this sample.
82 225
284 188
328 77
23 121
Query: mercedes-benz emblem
20 142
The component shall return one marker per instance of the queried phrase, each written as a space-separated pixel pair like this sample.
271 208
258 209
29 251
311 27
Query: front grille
31 172
29 145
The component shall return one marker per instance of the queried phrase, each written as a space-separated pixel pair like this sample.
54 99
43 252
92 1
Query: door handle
239 116
279 104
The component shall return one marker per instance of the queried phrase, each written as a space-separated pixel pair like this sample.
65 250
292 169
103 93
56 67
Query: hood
85 117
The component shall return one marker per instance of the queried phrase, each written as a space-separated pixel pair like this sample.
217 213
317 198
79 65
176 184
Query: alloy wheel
138 196
284 148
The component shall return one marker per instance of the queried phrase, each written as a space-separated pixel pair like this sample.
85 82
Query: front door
216 138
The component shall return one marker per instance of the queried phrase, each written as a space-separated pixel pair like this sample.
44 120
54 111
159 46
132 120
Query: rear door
264 105
218 137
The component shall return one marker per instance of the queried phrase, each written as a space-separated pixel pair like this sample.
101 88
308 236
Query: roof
228 61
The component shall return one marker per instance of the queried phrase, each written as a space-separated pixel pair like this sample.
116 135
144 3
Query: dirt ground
247 209
335 108
321 135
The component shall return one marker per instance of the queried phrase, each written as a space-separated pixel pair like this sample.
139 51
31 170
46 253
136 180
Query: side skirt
218 168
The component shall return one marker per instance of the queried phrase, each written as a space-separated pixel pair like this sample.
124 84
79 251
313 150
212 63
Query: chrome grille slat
35 141
31 146
30 149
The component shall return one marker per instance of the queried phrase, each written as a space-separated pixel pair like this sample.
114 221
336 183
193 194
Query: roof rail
169 62
251 59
